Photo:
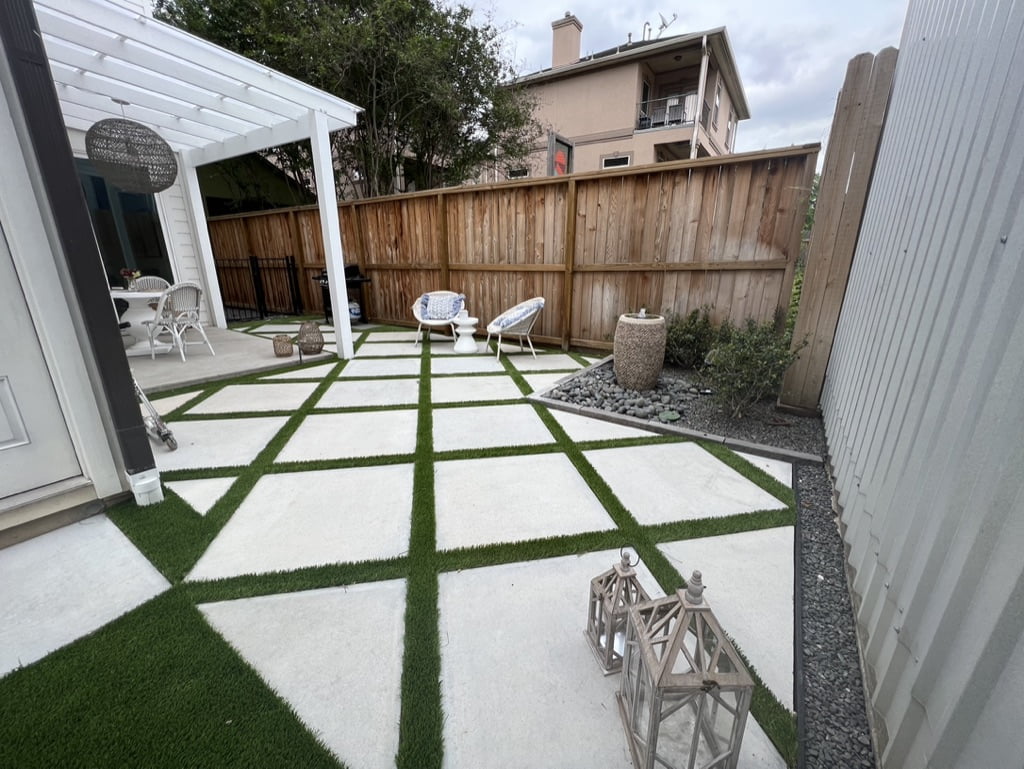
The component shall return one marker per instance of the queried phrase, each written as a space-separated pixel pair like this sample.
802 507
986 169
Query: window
615 161
517 173
718 103
730 132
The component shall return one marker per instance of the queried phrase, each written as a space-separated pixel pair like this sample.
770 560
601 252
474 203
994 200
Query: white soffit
205 101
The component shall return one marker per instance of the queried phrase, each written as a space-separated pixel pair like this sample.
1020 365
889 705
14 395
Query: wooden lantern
310 339
611 595
685 692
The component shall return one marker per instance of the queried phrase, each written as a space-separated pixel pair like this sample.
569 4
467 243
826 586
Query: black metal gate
255 287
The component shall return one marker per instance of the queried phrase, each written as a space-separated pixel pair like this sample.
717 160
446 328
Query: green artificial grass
158 687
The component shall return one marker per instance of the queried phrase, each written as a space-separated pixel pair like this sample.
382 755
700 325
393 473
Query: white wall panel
924 398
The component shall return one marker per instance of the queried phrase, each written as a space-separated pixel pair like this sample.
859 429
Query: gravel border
832 724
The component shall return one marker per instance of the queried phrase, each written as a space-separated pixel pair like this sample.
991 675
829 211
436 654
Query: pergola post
330 228
194 200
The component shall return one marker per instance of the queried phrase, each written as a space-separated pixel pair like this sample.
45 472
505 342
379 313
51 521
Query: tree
439 99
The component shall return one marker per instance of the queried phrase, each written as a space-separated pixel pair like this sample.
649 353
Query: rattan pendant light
130 156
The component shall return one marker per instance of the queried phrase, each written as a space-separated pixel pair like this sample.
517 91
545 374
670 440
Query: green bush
689 338
747 364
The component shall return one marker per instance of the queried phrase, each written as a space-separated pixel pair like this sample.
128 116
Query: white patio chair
436 309
516 321
149 283
177 312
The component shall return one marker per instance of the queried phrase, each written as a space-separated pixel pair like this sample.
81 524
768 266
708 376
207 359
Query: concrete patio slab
544 362
217 442
749 581
505 709
677 481
513 425
373 367
286 396
293 520
779 469
237 353
543 381
468 364
510 499
310 372
387 350
356 434
354 394
410 336
165 406
201 494
581 428
312 648
477 388
70 582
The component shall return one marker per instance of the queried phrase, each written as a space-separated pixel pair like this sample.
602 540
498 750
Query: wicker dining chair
149 283
176 313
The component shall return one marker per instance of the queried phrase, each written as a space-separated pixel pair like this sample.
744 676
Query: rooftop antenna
665 23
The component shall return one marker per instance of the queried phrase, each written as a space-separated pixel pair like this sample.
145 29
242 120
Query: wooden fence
671 237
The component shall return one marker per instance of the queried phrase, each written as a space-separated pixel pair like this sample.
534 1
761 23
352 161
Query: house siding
922 402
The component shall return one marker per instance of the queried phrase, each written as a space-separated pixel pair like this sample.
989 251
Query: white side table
465 326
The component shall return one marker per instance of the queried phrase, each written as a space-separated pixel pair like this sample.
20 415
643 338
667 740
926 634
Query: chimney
565 44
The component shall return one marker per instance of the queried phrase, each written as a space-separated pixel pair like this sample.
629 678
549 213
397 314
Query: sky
791 54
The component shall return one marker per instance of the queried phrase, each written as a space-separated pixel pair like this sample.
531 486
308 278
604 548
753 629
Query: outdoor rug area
386 562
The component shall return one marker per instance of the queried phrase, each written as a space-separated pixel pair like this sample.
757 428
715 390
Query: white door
35 445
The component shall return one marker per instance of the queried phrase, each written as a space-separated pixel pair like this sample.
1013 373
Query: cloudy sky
791 54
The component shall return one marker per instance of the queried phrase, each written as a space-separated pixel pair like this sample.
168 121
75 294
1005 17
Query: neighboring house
640 102
71 433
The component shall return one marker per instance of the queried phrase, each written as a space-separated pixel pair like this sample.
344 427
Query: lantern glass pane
694 722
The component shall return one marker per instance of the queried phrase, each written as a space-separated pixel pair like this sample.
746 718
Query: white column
330 228
194 201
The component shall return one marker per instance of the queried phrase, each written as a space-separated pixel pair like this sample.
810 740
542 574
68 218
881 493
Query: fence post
442 238
293 283
842 195
257 286
569 256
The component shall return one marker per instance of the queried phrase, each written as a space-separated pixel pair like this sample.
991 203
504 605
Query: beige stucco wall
591 104
597 112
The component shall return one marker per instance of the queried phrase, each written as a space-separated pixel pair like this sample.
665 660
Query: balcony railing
670 111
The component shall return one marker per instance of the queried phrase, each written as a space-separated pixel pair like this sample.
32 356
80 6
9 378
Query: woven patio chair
436 309
516 321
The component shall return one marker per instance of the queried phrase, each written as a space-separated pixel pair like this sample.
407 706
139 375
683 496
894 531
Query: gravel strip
833 722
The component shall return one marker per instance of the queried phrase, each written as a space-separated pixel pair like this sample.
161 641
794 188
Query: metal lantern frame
131 156
685 692
310 339
611 595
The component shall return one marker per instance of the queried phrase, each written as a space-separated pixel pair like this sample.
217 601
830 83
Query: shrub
689 338
747 364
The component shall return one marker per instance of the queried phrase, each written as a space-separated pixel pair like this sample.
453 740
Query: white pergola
206 102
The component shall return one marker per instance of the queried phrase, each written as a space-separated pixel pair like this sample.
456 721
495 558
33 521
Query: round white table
465 326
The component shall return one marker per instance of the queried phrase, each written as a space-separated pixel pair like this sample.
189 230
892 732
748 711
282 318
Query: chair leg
178 335
498 356
419 330
205 339
531 346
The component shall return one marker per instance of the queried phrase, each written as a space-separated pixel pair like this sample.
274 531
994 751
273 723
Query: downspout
700 97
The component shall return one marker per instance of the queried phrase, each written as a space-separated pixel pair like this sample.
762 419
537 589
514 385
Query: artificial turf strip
421 721
421 724
155 688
